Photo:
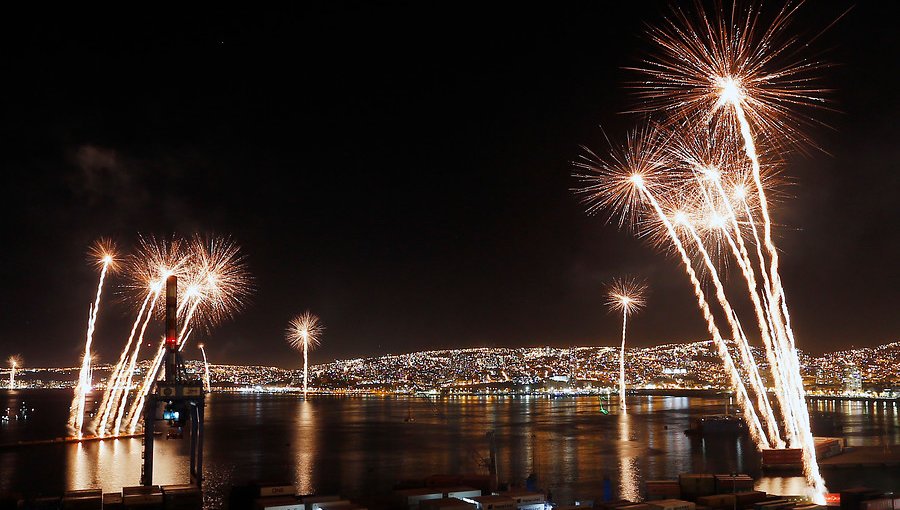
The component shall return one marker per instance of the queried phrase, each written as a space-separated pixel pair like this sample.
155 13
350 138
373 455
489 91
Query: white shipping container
493 503
524 497
310 502
461 492
282 506
445 504
412 497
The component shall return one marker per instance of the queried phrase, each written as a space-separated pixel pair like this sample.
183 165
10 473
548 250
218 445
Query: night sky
403 171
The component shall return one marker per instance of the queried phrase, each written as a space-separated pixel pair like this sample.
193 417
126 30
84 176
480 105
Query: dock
863 457
69 440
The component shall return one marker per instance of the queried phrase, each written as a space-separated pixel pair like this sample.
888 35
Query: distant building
852 379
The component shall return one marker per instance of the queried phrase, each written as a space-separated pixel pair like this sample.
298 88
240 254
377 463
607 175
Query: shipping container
880 504
411 497
696 485
851 499
636 506
522 496
749 498
719 501
93 502
312 502
275 489
278 503
451 503
459 492
671 504
774 504
663 489
726 484
493 503
342 504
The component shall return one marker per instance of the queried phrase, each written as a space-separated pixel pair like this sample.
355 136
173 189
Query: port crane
177 399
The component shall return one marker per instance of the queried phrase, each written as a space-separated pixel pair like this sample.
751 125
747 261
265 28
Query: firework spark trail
206 371
746 357
773 351
740 253
810 464
14 362
785 343
99 424
134 416
134 411
622 363
627 295
756 430
76 415
182 339
762 397
303 333
125 385
747 360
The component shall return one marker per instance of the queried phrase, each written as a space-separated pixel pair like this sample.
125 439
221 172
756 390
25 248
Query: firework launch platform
70 440
791 459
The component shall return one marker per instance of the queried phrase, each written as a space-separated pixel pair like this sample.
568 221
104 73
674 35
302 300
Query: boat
717 424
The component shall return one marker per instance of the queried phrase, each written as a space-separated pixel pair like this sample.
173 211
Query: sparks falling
625 295
304 333
205 369
14 363
724 83
218 286
102 254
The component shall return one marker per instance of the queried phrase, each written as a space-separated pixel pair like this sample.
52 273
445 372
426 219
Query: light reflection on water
362 446
628 452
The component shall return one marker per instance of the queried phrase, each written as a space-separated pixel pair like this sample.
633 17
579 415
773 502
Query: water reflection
360 447
628 470
307 447
111 465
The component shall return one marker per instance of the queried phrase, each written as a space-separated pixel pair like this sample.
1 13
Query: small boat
722 424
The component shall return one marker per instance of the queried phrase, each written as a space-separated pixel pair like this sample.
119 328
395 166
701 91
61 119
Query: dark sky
404 171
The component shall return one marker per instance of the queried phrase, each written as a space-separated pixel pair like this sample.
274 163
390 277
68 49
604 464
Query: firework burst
722 82
706 61
15 361
304 333
102 254
625 295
